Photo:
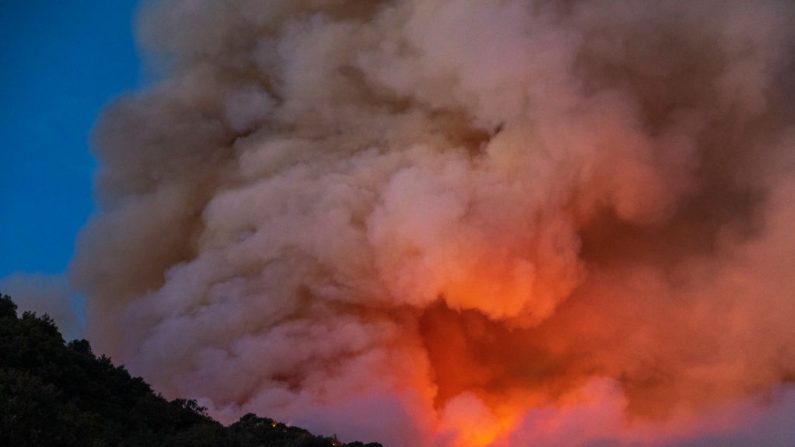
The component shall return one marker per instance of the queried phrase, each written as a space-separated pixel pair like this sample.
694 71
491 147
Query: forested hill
58 394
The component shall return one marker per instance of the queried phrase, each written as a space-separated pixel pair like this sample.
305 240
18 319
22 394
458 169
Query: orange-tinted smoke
445 223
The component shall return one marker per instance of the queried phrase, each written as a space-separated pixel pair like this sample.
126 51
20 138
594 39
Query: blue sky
62 61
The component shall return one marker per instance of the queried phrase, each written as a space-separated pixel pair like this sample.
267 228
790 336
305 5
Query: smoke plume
454 223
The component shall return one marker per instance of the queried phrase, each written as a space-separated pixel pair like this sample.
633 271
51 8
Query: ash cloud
457 212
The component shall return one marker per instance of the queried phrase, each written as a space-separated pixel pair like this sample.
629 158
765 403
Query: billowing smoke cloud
452 222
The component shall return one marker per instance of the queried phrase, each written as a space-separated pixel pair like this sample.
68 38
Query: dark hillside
58 394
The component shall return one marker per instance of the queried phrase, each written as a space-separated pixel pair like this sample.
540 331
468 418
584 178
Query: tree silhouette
58 394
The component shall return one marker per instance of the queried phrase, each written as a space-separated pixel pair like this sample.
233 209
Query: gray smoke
451 214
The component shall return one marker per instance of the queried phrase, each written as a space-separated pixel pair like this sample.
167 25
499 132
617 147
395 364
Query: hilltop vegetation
58 394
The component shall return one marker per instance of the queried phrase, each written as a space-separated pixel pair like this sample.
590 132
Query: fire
473 422
487 375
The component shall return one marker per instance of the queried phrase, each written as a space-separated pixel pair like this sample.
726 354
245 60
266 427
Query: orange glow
487 375
474 423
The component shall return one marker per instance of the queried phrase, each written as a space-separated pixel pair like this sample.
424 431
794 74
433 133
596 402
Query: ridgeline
54 393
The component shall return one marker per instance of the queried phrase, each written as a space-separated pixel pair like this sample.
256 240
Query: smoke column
454 223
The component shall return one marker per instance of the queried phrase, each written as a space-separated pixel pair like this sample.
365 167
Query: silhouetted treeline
58 394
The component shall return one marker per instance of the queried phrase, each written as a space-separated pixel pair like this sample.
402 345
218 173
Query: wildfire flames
451 223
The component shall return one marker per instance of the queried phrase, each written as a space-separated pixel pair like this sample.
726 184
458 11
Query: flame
487 375
474 423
